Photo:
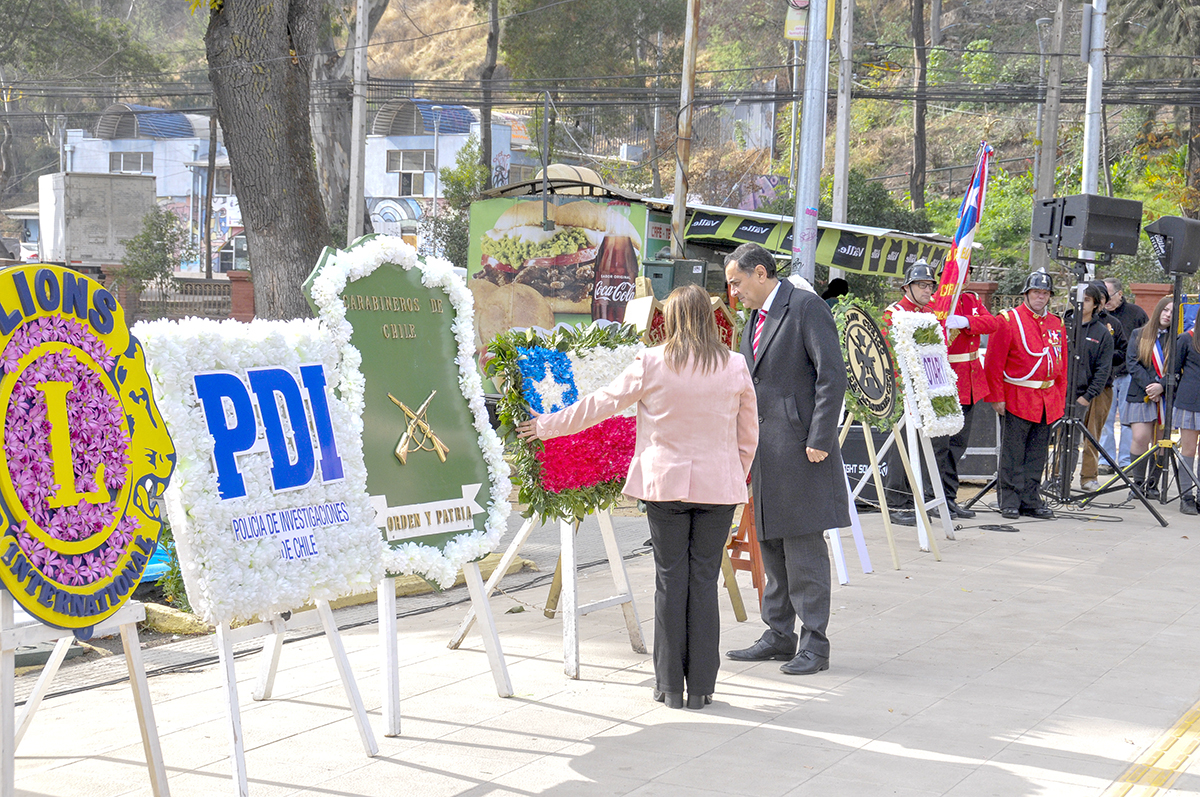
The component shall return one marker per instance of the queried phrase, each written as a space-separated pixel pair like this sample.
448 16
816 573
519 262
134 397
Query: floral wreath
854 407
227 578
82 468
573 476
333 273
915 337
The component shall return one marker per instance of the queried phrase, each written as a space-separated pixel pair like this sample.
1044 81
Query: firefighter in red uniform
920 281
1026 369
971 320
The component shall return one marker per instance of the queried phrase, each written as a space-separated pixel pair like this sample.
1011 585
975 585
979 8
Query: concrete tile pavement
1040 662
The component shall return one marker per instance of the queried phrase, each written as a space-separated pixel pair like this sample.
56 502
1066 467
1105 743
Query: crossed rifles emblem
417 423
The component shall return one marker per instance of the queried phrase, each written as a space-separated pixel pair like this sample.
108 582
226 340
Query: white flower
228 579
910 356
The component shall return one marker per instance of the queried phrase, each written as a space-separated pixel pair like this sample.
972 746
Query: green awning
851 248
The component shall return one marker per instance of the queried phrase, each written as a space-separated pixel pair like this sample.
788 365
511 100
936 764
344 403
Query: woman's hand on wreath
527 430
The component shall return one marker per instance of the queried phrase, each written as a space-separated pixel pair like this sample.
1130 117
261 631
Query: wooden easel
745 541
391 653
275 629
872 472
571 610
743 553
13 636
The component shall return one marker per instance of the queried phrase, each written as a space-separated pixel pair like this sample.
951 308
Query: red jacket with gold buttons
1026 364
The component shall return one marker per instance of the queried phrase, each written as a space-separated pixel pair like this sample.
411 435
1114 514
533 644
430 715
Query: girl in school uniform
1146 360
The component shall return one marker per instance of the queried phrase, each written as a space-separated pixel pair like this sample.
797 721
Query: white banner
433 517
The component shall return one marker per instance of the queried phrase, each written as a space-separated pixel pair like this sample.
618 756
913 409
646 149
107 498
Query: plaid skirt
1185 419
1139 412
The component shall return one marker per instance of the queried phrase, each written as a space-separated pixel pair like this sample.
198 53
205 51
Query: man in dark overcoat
791 345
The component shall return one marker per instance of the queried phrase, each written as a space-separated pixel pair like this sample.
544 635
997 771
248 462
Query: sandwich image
558 264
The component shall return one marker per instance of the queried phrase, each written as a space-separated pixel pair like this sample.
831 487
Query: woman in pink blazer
697 430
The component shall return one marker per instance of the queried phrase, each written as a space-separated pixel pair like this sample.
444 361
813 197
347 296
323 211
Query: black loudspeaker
1101 224
1176 243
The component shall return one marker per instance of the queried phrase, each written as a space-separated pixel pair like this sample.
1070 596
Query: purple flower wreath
97 439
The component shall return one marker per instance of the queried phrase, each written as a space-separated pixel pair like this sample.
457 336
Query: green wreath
573 504
853 405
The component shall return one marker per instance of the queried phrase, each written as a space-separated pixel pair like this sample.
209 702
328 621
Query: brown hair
1150 332
692 331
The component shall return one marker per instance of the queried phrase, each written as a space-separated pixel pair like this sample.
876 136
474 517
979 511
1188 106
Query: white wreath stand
479 606
275 629
13 636
914 467
835 537
571 610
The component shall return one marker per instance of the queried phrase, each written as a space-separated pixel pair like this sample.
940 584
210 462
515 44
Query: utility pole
812 144
683 130
1048 157
358 128
1093 47
916 179
841 146
793 166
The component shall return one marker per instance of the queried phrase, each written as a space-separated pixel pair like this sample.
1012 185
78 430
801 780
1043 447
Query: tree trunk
259 58
485 77
331 133
916 179
331 75
935 23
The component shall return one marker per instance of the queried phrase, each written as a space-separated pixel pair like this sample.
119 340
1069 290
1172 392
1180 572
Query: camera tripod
1067 432
1163 456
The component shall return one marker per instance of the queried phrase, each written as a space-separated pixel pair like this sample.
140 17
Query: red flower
593 456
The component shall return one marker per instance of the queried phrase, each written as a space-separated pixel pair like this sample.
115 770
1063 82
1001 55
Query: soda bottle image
616 268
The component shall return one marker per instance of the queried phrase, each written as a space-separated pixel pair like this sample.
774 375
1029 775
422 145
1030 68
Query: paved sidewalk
1040 662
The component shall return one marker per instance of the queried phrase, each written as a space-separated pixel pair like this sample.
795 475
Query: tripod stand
1164 448
1068 431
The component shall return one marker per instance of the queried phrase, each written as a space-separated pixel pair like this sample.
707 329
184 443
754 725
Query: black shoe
698 701
669 699
1104 469
904 517
1150 491
1010 514
1187 505
1041 513
805 663
960 513
760 651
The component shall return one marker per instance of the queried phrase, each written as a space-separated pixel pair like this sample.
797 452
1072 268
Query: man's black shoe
805 663
760 651
904 517
1009 514
1104 469
960 513
1041 513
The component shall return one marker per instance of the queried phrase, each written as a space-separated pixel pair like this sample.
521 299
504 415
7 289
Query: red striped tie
758 326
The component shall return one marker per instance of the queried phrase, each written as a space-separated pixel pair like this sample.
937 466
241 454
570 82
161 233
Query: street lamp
437 120
1037 150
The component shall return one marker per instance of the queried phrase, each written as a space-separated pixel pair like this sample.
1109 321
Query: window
520 174
223 182
412 165
131 162
233 255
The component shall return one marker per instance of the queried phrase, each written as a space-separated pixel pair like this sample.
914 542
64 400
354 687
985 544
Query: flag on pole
954 273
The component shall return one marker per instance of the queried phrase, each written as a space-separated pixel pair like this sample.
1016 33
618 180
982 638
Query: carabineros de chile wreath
566 477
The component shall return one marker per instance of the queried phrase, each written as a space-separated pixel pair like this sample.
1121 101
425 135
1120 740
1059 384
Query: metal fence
185 297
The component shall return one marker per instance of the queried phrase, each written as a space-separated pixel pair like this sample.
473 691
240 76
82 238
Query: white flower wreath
335 271
229 579
926 372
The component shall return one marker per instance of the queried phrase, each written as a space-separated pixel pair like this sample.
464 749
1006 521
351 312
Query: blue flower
549 382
